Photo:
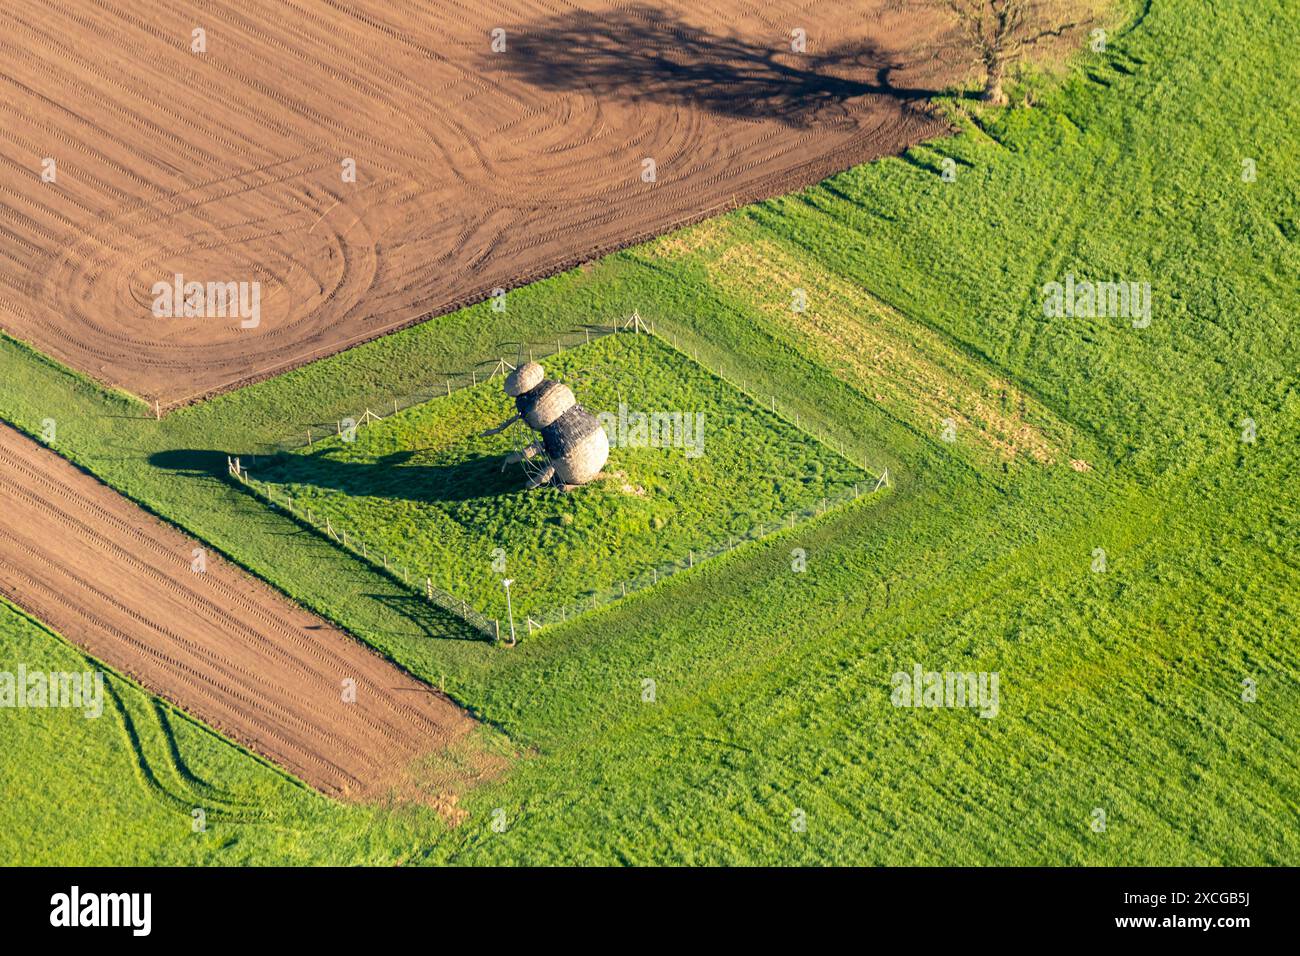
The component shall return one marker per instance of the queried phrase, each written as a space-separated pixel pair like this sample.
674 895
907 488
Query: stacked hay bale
575 445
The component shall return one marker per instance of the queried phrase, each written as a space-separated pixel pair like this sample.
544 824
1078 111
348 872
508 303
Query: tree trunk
995 72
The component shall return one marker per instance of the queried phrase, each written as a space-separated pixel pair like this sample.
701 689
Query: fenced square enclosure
696 466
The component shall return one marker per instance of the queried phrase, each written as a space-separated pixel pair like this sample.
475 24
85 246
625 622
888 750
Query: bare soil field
218 643
133 150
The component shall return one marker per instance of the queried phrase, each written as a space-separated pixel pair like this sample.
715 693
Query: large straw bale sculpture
573 443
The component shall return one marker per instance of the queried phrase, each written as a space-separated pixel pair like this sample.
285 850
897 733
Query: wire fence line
483 371
769 401
652 576
492 627
489 369
353 542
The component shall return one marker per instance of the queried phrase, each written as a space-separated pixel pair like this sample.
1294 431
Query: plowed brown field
218 643
475 169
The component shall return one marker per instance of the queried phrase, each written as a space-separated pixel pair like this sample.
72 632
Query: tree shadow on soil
645 53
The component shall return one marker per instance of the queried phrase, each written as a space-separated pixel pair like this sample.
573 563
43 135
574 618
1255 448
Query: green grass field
1122 689
125 785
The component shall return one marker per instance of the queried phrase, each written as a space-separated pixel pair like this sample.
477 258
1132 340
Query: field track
219 644
474 169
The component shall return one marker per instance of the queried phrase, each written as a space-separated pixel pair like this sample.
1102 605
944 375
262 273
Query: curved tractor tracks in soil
475 169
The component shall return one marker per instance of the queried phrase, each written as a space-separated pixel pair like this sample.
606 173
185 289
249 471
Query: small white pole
510 611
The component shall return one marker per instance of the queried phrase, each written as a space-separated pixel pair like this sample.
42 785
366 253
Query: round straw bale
544 404
524 378
577 446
